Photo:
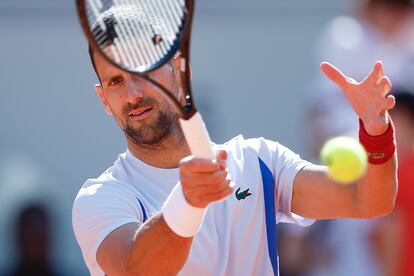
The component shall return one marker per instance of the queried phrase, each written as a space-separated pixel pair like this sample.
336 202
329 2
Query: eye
114 81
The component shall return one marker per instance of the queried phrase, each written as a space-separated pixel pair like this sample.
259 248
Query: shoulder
261 147
240 144
278 158
97 196
100 207
104 187
105 195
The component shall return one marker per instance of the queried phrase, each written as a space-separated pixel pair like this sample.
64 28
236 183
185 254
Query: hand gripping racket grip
196 134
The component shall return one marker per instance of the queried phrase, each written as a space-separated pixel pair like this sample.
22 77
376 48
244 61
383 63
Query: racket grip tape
197 137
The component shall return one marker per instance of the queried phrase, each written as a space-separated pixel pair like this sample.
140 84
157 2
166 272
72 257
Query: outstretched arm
317 196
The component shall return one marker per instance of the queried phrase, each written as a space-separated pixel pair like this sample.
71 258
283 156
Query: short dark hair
104 26
90 51
109 34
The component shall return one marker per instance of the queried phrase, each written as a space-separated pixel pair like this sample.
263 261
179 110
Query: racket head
137 36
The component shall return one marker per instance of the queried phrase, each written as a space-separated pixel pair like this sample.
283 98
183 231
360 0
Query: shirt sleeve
286 165
98 210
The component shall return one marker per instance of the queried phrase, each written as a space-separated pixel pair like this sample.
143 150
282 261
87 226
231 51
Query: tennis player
160 211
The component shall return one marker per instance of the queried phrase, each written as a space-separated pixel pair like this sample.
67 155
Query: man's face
138 107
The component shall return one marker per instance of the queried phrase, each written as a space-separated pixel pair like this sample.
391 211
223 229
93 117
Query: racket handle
197 137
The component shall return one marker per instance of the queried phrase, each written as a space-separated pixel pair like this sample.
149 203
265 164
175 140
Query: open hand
368 98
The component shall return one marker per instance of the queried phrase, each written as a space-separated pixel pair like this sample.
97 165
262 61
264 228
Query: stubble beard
152 135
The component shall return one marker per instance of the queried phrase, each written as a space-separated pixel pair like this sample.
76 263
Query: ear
99 91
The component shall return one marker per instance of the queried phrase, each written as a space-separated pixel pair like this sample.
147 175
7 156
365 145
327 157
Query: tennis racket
150 36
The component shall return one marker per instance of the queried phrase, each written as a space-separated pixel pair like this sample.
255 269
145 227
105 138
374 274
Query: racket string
142 56
140 37
141 34
146 40
129 36
136 34
170 21
163 33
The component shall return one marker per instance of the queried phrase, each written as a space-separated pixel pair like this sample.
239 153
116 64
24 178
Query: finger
334 74
219 196
390 102
377 73
385 85
198 165
226 195
189 180
208 189
199 196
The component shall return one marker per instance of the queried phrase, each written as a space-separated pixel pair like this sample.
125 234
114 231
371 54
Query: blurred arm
317 196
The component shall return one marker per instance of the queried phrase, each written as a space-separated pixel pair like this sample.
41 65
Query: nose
133 89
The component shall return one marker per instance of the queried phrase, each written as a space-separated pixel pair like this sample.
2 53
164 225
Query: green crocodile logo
242 195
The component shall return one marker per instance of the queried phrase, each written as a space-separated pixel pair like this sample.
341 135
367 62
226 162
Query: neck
167 154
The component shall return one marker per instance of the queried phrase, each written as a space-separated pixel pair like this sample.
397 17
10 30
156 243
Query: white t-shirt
238 235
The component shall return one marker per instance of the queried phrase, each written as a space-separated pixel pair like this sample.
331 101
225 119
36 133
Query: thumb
334 74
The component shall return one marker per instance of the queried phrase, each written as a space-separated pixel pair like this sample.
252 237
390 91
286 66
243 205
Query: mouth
140 113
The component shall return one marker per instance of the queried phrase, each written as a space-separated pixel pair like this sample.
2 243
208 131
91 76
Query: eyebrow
109 76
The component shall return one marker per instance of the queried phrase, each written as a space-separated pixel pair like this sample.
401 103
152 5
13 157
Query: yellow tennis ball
346 159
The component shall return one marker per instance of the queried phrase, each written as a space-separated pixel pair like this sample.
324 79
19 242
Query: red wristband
380 148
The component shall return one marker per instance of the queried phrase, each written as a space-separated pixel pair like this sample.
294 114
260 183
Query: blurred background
256 72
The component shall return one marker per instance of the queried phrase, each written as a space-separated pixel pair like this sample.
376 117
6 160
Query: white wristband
182 218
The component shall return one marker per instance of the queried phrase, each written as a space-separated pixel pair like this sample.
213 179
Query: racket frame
182 43
191 122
